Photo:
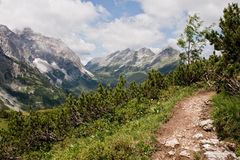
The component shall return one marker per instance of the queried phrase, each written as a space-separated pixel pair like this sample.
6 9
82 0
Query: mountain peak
4 29
48 46
27 30
126 50
144 49
168 51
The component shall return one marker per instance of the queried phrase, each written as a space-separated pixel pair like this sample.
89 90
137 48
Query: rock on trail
190 134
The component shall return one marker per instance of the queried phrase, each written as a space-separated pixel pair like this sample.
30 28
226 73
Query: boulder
172 142
210 141
207 125
171 153
198 136
185 153
218 155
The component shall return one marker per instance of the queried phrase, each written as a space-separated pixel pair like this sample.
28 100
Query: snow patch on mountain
156 50
116 70
44 67
41 65
84 70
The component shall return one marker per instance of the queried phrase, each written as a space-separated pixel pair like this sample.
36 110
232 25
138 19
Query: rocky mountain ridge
50 56
36 69
133 63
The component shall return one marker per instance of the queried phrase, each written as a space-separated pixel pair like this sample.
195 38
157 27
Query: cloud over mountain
89 27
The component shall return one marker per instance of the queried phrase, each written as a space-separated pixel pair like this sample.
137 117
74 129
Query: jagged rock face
165 57
50 56
34 69
22 86
119 59
133 63
41 47
140 59
6 69
10 43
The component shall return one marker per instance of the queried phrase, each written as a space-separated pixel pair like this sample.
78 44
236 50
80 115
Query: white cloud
162 9
172 15
159 25
79 45
126 32
85 59
57 18
86 28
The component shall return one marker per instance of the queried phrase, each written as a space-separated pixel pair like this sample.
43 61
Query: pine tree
154 84
120 92
228 39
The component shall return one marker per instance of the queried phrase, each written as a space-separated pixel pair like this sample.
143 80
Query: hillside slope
22 86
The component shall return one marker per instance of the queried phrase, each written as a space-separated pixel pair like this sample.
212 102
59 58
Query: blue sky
119 8
94 28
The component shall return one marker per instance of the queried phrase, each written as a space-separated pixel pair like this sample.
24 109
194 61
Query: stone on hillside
180 136
210 141
219 155
208 147
205 122
185 153
171 153
214 141
172 142
198 136
207 125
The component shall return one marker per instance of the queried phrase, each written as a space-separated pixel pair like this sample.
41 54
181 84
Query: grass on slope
4 113
133 139
227 117
3 124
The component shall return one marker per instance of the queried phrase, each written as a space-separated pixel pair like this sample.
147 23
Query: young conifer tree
192 41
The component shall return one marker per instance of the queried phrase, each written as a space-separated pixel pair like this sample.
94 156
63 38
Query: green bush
132 110
190 73
123 135
227 116
94 115
153 85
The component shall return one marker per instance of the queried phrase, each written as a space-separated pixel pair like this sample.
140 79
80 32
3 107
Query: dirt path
189 134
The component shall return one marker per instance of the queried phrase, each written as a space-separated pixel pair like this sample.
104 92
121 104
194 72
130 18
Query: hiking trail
189 133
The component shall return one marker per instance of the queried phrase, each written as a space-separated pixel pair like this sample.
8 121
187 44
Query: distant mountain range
134 64
38 71
32 63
